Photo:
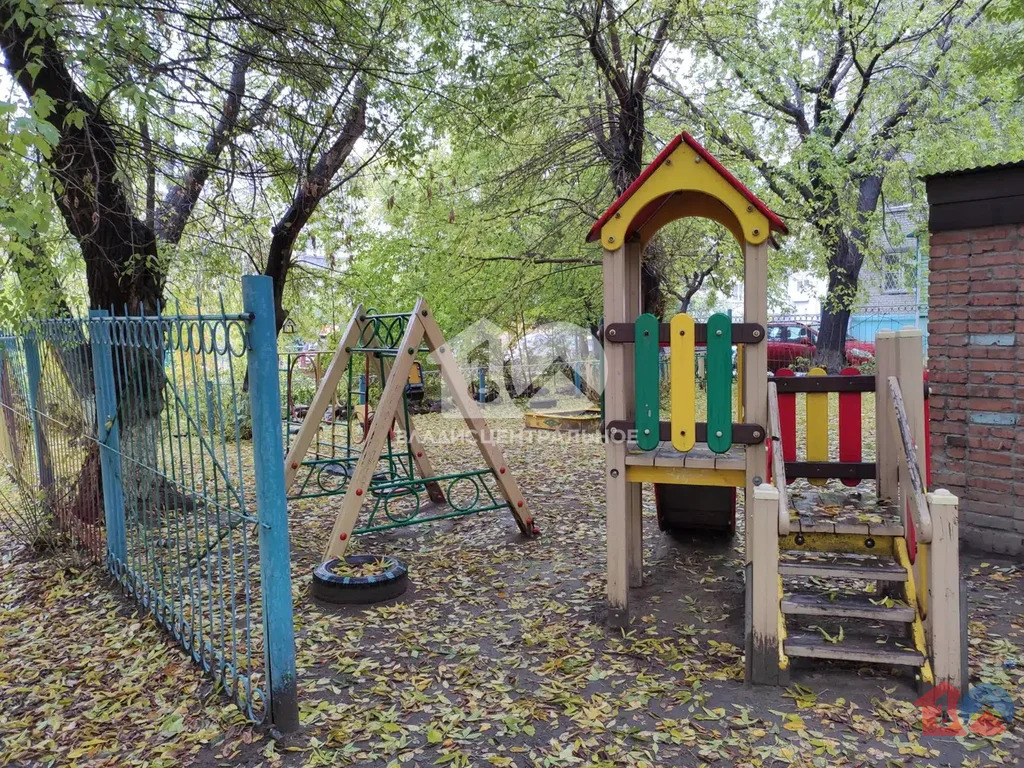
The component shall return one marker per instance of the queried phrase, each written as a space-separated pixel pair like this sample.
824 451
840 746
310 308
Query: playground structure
387 465
902 538
588 420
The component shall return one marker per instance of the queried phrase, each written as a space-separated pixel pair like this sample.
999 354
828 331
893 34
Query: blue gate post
481 374
108 434
34 374
271 503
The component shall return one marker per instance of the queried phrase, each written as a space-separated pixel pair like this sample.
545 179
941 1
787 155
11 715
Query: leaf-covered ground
497 655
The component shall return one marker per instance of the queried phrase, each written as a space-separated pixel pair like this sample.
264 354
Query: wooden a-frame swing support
421 329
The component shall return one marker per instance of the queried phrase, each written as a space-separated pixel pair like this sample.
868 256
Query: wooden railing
913 491
778 463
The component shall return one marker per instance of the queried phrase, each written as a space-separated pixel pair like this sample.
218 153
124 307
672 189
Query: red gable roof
775 222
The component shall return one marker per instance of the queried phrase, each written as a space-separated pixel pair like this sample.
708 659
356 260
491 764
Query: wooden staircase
851 585
855 603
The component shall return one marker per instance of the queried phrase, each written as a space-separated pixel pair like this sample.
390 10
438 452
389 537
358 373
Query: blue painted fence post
362 388
34 374
108 434
271 503
481 378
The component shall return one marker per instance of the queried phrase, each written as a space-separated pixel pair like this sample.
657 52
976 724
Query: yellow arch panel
686 171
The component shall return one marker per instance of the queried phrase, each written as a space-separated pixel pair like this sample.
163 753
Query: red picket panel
850 437
787 420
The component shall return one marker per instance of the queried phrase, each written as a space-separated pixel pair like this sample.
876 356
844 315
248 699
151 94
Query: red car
789 340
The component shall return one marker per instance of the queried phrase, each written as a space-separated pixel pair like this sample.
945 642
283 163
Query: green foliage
1003 53
486 155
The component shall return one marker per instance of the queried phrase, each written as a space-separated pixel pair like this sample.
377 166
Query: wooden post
424 466
886 449
324 396
761 501
617 394
944 588
473 417
359 482
634 491
763 586
910 373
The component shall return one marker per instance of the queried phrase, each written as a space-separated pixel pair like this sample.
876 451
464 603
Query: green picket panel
719 383
648 395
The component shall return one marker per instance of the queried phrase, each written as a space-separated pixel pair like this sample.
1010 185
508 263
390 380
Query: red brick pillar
976 370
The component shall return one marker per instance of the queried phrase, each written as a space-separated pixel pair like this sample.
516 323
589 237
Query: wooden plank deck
701 457
836 509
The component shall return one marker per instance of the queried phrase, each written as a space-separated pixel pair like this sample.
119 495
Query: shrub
25 517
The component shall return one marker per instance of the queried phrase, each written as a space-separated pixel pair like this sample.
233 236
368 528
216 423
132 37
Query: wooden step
845 607
813 646
843 568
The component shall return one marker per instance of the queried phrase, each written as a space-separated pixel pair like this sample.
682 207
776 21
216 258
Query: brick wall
976 368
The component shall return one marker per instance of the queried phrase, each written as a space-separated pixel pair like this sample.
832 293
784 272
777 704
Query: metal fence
866 322
49 420
138 431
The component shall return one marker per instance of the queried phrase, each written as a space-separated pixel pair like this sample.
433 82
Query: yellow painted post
682 389
739 382
817 425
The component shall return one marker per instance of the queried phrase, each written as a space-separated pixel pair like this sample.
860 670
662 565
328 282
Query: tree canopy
376 150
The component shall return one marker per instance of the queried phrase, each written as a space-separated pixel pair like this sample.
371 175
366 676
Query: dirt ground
497 655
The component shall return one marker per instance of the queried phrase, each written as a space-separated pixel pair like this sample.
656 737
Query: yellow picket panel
817 425
682 390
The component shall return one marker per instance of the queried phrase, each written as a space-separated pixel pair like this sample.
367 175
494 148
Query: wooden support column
910 373
887 452
473 416
617 394
946 619
761 501
634 491
324 397
391 398
422 462
763 585
755 365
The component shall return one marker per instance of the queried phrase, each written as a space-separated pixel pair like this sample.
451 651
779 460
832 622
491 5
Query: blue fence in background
150 455
864 325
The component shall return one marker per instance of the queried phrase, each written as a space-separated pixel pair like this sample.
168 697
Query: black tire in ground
360 590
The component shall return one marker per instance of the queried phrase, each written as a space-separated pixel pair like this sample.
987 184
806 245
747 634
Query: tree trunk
311 190
122 269
844 265
182 197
